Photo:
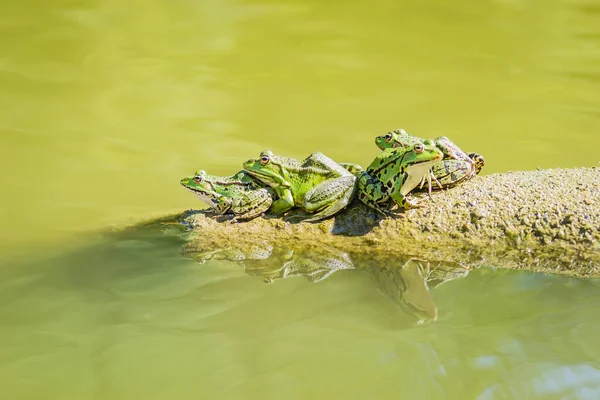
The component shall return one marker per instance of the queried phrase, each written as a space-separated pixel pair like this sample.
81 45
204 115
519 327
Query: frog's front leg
285 201
429 178
403 202
329 197
222 206
400 199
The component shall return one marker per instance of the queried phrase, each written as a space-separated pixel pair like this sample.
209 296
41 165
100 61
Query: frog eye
419 148
388 137
198 178
264 159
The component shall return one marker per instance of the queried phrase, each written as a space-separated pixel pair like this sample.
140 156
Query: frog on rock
394 173
456 166
239 194
317 184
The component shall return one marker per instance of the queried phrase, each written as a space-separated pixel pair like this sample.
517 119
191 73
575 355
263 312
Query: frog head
417 162
385 141
267 168
202 186
396 138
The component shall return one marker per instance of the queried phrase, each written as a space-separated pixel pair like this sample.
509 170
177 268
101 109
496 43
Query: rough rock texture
544 220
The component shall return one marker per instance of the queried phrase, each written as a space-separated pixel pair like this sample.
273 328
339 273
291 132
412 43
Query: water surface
104 106
129 317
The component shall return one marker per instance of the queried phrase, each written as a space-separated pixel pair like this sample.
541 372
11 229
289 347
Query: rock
543 220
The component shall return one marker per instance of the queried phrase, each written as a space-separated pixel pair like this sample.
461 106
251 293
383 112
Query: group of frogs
322 187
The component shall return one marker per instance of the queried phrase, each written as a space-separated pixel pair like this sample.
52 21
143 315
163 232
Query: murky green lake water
104 106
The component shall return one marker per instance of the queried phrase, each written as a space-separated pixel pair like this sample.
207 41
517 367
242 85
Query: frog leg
452 172
223 205
399 198
372 192
451 150
354 169
251 205
329 197
478 160
428 178
285 201
327 166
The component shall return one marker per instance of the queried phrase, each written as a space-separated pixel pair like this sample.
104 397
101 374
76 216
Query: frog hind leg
478 160
452 172
252 205
372 193
354 169
329 197
451 150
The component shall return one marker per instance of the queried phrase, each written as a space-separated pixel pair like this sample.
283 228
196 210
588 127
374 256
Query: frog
456 166
239 194
393 174
317 184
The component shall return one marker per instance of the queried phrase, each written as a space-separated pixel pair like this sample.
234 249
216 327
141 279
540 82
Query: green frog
317 184
394 173
456 166
240 194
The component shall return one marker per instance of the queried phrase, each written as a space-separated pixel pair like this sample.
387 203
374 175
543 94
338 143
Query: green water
105 105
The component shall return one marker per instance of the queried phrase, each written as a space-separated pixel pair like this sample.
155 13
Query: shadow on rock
356 220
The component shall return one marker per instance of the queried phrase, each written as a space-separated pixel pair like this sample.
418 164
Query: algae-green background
105 105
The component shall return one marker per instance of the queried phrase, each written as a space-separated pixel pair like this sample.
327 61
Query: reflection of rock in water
405 280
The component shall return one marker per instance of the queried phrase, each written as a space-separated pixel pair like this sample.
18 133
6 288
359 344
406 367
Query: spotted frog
456 166
393 174
240 194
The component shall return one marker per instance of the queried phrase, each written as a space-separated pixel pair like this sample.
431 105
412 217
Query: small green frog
317 184
239 194
394 173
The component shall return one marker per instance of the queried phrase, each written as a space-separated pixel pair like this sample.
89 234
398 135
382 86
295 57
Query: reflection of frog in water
261 250
270 263
406 281
315 264
408 285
